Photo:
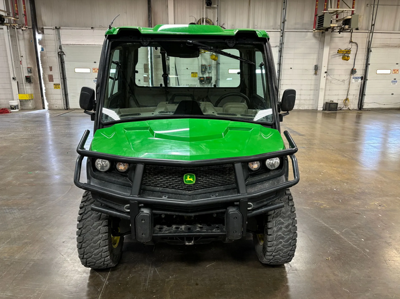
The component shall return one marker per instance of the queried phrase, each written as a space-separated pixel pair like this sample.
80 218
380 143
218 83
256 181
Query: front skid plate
189 230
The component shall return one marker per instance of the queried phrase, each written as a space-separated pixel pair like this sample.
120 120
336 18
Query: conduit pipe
16 11
369 50
282 41
25 15
316 14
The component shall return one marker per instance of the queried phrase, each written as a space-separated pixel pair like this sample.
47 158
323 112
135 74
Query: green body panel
187 29
186 139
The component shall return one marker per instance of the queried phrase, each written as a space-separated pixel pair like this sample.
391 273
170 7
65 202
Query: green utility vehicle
187 146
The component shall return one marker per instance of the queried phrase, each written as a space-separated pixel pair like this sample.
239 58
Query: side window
114 73
260 75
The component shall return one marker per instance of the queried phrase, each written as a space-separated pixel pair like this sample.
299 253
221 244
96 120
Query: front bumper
138 206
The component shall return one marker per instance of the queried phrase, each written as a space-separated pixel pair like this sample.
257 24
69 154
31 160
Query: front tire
276 244
97 247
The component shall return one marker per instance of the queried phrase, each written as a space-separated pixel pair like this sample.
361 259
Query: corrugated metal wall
98 13
90 13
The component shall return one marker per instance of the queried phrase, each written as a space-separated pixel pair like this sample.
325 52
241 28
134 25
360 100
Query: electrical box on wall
330 106
28 79
351 23
203 69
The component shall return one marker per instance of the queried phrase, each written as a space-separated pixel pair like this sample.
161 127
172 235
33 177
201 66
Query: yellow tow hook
115 240
260 238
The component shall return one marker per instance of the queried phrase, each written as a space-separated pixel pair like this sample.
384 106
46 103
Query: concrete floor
347 207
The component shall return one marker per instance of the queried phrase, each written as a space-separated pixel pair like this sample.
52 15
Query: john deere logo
189 179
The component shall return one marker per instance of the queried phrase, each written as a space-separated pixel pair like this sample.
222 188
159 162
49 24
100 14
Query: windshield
186 78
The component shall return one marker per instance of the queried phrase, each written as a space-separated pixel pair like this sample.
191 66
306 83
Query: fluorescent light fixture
383 72
235 71
82 70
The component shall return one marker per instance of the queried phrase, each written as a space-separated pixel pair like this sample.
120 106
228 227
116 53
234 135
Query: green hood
186 139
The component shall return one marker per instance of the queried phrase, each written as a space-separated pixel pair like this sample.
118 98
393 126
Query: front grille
166 177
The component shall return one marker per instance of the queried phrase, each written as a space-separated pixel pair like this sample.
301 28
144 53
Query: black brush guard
141 218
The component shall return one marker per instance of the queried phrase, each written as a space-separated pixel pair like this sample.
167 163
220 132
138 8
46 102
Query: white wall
5 79
71 36
28 59
50 65
338 75
302 48
90 13
301 53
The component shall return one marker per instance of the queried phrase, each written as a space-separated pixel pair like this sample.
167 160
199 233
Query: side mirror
288 100
86 99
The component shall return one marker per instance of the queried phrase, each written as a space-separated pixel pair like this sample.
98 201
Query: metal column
35 31
63 71
281 42
369 50
10 60
324 68
171 13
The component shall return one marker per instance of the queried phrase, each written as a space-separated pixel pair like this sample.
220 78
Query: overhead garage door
81 63
383 87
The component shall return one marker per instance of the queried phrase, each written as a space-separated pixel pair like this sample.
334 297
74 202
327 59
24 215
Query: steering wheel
231 94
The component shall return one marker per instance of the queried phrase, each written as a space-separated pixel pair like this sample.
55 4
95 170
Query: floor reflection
347 209
201 271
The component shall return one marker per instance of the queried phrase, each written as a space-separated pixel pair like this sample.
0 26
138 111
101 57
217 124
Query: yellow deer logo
189 178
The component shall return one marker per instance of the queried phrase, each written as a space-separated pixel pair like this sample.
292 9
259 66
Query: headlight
122 167
272 163
254 165
102 165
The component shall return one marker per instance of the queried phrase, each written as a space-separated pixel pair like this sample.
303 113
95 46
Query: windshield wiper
212 49
165 72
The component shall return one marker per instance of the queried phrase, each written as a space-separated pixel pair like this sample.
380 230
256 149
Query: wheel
97 247
232 94
276 245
